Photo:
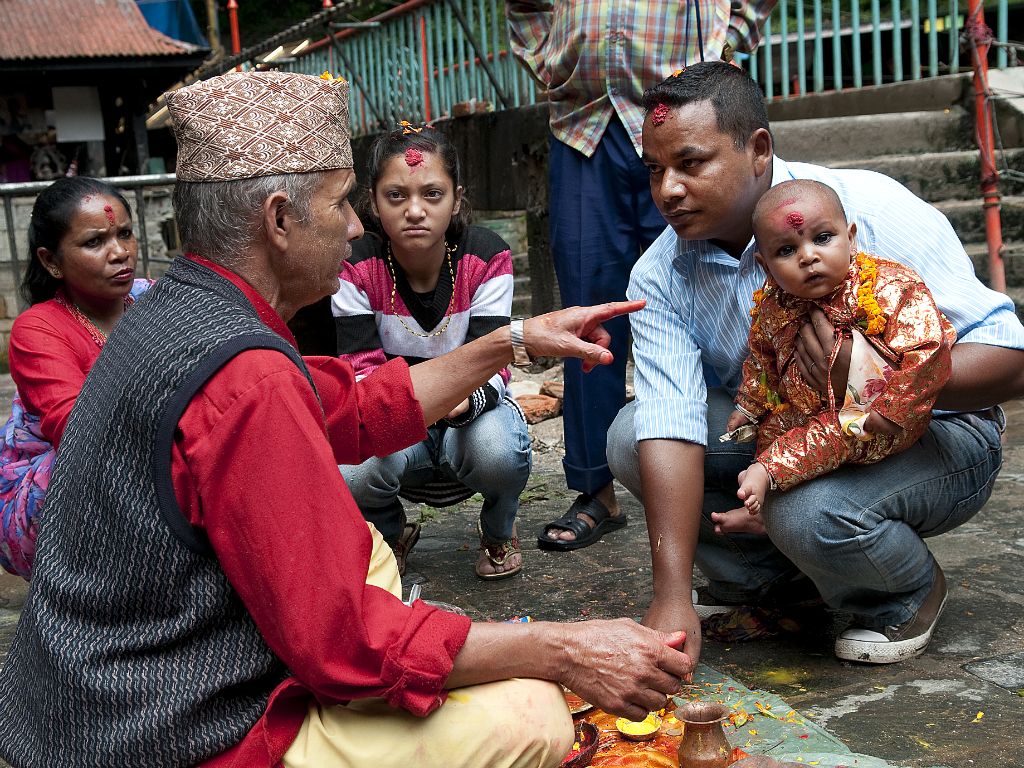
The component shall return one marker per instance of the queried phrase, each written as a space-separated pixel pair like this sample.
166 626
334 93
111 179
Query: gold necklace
448 249
95 332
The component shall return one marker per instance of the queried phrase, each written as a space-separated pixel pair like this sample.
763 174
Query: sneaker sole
707 611
870 652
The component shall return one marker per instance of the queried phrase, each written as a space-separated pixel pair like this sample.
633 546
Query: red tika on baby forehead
795 219
413 157
109 210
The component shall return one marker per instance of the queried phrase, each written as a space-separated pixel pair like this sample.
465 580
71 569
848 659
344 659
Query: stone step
937 176
1013 262
831 140
968 218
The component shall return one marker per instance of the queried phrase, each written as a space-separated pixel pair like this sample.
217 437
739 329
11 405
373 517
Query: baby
899 357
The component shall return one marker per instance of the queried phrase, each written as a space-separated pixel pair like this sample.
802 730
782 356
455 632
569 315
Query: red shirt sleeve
49 355
254 468
373 417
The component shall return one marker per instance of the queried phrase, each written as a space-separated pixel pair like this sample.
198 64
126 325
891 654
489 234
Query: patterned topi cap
244 125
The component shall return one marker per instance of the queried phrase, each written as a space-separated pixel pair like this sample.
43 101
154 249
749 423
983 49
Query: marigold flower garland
869 314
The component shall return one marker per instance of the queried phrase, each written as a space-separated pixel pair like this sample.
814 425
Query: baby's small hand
736 420
877 424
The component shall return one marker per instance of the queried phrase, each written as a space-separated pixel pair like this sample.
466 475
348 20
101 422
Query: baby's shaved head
788 192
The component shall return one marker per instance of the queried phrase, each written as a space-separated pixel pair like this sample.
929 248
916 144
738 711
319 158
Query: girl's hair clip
408 128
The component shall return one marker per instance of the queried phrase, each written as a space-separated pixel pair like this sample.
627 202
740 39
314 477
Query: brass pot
703 744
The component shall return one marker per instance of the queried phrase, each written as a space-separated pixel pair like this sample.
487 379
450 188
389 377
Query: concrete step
968 218
937 176
1013 262
821 140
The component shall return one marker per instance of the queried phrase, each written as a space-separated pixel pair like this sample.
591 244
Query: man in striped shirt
855 536
595 58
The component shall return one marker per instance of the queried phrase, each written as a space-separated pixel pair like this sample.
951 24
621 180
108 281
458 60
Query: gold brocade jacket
799 435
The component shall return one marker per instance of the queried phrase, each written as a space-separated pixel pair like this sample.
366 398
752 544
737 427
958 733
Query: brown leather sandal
410 535
497 553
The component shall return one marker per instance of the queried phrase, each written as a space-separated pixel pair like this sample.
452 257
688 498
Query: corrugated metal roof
64 29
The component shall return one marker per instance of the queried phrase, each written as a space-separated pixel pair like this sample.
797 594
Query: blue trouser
491 455
857 532
602 220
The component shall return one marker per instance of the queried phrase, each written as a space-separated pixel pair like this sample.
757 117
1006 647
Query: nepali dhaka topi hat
244 125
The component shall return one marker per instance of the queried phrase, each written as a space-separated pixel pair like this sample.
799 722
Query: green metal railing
852 43
418 61
426 59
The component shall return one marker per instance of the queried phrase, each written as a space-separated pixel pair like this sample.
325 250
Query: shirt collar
264 311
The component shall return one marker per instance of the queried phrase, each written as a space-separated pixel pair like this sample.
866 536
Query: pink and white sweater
370 332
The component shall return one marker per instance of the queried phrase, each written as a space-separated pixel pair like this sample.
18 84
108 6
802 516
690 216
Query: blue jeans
857 532
602 219
491 455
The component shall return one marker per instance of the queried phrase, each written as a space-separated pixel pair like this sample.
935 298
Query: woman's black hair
426 139
51 219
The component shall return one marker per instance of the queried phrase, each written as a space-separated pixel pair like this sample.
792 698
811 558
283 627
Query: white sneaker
709 607
901 642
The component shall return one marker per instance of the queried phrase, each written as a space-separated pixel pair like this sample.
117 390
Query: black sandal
585 535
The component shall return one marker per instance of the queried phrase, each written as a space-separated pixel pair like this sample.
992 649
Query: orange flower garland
756 309
772 401
869 314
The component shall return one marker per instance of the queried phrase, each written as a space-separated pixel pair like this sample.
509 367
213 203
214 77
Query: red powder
795 220
660 114
110 213
413 157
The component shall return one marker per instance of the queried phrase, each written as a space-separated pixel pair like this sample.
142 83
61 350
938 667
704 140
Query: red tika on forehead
109 210
660 114
795 219
413 157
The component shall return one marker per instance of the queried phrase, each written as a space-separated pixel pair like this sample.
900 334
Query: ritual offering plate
577 706
583 748
642 730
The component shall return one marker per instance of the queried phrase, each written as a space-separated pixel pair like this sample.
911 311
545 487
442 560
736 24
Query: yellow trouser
495 725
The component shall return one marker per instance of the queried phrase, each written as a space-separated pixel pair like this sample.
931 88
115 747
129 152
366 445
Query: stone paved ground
919 713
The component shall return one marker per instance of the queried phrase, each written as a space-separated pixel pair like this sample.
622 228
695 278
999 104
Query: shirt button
744 272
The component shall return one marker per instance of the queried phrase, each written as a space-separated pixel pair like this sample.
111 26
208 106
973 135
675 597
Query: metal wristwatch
521 357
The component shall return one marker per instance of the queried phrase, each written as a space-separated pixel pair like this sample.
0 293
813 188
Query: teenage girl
425 283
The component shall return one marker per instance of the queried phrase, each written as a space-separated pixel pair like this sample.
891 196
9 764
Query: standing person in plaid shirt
595 58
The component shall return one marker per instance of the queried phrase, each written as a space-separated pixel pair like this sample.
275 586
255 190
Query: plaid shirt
597 56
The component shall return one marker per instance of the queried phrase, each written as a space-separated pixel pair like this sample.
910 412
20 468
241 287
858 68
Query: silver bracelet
520 357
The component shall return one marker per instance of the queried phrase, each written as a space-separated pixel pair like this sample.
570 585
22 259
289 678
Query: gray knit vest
132 649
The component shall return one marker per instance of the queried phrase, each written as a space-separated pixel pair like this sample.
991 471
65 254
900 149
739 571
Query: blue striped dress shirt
693 332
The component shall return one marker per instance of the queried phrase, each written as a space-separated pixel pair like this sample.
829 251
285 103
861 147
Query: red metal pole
978 36
426 69
236 43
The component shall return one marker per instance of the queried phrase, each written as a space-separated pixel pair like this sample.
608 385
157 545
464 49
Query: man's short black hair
735 97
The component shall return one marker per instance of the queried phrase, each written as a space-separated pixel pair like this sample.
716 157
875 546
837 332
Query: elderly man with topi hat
206 591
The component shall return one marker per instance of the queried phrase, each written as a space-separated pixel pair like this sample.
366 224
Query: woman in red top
79 281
